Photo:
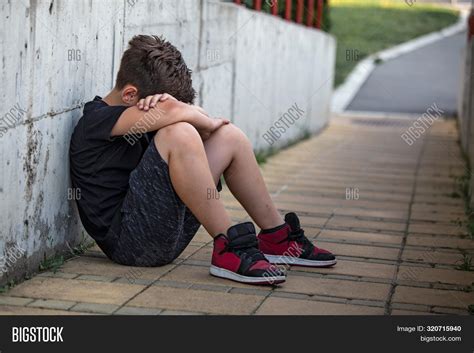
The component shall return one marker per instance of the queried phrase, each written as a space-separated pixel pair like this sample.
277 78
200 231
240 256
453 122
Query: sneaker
236 257
288 245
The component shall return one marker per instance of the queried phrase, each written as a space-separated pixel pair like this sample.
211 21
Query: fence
308 12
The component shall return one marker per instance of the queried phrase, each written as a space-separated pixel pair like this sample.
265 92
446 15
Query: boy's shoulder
97 121
98 109
94 105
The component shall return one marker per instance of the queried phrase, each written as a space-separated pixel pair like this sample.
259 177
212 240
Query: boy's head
152 65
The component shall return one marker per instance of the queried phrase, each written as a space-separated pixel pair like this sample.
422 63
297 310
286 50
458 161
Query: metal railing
285 9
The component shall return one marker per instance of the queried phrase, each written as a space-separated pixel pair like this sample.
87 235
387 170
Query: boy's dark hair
154 65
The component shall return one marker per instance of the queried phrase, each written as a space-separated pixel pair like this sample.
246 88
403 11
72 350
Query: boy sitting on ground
145 158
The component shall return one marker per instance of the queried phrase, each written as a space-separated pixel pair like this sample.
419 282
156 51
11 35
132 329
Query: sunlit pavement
390 211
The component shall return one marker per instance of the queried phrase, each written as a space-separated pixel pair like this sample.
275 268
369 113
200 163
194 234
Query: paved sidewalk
413 82
387 209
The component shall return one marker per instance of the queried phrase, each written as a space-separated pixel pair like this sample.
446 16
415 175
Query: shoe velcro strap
244 241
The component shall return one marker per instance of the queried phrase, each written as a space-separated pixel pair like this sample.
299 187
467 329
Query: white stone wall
58 54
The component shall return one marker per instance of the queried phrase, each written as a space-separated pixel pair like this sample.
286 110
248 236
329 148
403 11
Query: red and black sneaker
288 245
236 257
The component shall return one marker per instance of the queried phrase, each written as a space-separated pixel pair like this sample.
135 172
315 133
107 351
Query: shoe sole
295 261
223 273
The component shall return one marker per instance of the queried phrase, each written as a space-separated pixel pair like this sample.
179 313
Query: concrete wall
466 110
58 54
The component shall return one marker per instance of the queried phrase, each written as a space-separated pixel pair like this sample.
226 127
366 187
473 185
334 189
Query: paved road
413 82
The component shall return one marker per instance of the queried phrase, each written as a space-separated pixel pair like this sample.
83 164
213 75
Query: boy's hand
152 101
202 121
214 124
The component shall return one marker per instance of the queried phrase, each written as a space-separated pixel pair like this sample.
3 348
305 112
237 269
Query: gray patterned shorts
154 225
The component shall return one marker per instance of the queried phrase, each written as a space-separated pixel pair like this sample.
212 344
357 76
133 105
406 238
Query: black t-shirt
101 165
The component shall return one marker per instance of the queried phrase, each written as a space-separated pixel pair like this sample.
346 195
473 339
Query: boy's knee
231 133
179 134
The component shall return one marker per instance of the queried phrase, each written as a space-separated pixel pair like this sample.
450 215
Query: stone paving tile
193 262
431 256
438 208
214 288
437 217
197 300
189 250
22 310
134 280
433 297
449 242
369 238
450 311
286 306
200 275
18 301
334 287
96 278
174 284
409 312
439 198
307 199
411 307
95 308
427 228
237 214
353 268
103 267
58 274
435 275
201 237
311 222
363 251
396 215
52 304
318 211
328 205
203 254
76 290
351 223
129 310
180 313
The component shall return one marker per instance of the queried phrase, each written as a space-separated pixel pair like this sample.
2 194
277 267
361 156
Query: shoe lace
300 238
245 245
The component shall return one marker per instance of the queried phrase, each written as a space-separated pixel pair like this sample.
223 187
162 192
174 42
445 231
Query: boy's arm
164 113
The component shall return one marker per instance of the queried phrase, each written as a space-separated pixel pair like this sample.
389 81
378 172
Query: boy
145 160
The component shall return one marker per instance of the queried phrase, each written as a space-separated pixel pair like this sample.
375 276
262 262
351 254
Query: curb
346 92
376 115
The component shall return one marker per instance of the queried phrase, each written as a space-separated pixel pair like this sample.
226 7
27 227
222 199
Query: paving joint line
391 293
154 281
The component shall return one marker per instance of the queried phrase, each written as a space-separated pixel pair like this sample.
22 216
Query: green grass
365 27
54 262
462 184
7 287
465 264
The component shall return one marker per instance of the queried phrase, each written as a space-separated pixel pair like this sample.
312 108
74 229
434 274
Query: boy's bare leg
181 147
229 152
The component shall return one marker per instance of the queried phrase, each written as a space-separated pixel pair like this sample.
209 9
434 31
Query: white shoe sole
289 260
223 273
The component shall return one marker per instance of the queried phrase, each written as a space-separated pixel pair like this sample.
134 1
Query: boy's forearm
196 118
164 114
172 112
